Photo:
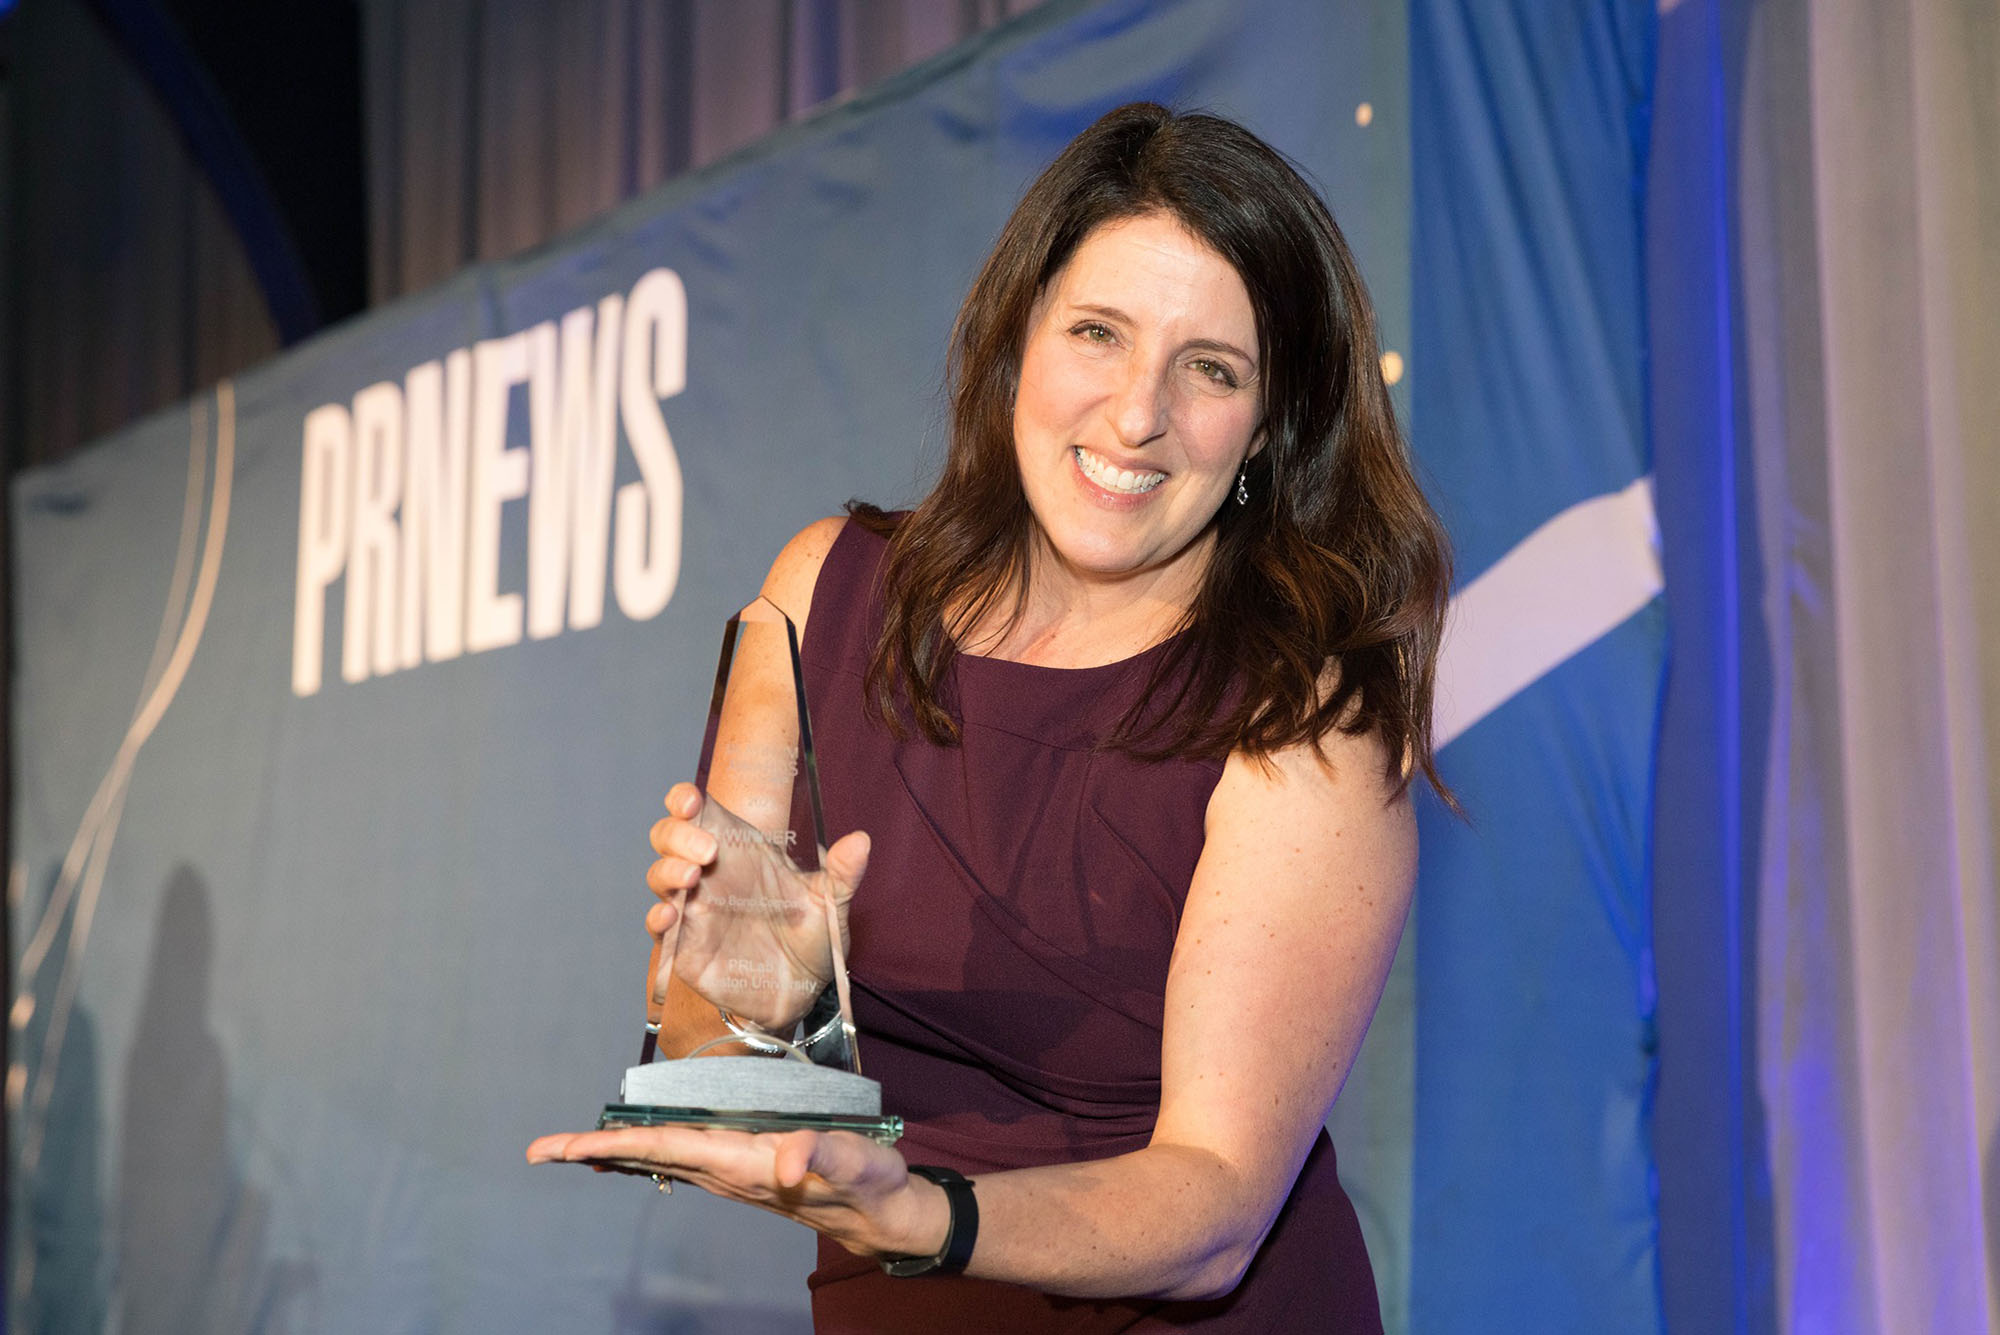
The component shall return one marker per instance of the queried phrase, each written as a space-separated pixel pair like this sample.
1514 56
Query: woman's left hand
855 1190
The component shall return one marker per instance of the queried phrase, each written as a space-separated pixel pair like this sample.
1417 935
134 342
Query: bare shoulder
1345 775
1312 800
796 571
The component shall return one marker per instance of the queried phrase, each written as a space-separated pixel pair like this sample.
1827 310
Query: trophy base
616 1116
751 1094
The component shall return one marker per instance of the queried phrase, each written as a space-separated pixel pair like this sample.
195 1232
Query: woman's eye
1092 332
1216 371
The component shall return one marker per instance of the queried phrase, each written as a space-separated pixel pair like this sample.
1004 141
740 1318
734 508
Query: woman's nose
1139 412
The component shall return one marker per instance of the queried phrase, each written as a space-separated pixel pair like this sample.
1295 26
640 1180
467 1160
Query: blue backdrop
345 697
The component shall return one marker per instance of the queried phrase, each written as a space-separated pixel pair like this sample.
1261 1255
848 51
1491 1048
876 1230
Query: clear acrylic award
761 938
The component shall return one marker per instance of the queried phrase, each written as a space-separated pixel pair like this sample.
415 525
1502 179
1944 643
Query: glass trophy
760 940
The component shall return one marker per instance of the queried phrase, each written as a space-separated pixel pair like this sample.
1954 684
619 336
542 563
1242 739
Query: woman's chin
1100 558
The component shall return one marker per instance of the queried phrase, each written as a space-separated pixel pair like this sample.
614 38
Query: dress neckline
961 656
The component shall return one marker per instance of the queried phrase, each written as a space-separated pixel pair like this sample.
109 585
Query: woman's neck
1071 618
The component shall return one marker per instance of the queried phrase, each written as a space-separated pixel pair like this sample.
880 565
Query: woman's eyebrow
1208 344
1217 345
1108 312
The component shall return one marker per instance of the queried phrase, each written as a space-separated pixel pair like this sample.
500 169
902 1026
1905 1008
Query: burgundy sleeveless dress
1009 964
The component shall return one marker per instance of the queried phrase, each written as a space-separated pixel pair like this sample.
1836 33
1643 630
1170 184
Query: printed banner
346 694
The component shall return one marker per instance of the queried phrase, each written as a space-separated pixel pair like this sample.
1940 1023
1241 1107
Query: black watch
958 1237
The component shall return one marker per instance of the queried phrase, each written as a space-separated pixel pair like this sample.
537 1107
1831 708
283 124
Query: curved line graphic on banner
94 836
177 588
170 620
1561 589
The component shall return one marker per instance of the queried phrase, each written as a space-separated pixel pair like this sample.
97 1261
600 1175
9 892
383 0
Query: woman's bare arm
1287 936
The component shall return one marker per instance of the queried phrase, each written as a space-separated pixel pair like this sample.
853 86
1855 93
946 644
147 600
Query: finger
660 919
794 1157
842 1159
549 1149
669 876
847 860
654 1148
673 837
684 800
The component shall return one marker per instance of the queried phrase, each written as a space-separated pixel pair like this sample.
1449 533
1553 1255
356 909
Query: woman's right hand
738 922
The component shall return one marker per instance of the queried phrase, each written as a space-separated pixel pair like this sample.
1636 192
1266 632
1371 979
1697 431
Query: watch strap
959 1236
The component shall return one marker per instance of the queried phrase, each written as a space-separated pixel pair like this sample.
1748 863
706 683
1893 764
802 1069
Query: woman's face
1140 398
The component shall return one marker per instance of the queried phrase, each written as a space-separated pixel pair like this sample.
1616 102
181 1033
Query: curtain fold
130 287
1868 240
496 125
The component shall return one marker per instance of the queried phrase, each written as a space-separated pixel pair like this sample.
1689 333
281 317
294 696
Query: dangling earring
1242 492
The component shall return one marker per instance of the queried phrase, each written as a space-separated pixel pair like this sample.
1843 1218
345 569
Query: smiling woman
1330 551
1138 409
1125 715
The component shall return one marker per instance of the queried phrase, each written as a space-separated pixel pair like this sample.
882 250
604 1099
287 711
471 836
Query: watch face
905 1267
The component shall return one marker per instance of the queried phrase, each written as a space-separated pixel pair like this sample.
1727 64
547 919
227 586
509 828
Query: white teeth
1113 478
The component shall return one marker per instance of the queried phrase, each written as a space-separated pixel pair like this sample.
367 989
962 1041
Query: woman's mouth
1112 478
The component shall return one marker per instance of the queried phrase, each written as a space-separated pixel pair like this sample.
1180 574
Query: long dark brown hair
1336 559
